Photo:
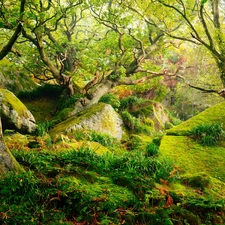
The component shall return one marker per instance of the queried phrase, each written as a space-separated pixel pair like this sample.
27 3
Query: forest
112 112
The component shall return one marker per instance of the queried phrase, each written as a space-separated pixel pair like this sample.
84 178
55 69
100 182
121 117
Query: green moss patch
13 102
192 157
214 114
42 108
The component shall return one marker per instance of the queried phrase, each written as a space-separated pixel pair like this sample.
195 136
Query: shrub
103 139
128 102
43 128
66 102
45 90
111 99
152 149
130 121
208 134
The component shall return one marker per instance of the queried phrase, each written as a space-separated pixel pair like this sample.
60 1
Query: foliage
43 128
103 139
65 102
80 185
48 90
152 149
129 102
208 134
134 124
111 99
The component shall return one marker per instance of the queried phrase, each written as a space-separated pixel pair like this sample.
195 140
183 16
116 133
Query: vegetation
137 162
208 134
79 185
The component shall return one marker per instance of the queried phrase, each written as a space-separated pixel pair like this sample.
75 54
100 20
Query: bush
128 102
45 90
103 139
208 134
152 149
111 99
43 128
130 121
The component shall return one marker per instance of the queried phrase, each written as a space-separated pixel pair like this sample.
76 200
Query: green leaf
203 2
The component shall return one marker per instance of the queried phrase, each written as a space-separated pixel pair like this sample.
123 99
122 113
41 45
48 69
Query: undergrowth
208 134
80 186
48 90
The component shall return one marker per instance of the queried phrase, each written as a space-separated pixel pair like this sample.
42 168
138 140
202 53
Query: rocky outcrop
14 113
101 118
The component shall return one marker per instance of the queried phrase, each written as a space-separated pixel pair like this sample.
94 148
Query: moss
144 109
100 195
61 115
214 114
199 180
140 141
104 124
13 102
191 157
41 108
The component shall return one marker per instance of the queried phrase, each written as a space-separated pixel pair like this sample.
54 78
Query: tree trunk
221 66
93 97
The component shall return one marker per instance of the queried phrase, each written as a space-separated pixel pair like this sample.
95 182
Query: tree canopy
81 44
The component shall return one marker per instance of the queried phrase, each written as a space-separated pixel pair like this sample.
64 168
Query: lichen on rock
14 113
100 117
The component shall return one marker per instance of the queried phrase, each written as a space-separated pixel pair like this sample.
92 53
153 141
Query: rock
14 114
154 111
160 118
100 117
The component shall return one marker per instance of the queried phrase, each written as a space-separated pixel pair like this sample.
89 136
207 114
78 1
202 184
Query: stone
100 117
14 114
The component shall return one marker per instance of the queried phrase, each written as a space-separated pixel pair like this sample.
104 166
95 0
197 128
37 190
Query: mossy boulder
14 114
154 111
100 117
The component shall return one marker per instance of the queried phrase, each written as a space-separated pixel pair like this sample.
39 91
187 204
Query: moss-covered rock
100 117
14 113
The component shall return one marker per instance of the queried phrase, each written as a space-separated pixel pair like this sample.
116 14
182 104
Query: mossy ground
76 180
43 108
214 114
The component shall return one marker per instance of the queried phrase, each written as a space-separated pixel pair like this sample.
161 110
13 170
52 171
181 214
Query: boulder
100 117
14 114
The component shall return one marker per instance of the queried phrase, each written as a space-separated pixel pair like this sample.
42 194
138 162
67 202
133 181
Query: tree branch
7 48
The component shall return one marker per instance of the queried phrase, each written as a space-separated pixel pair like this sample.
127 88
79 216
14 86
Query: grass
81 186
77 184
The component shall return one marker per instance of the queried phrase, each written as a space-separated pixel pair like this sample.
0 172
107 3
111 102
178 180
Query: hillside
92 178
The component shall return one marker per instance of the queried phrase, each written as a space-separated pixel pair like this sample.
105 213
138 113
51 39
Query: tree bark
7 48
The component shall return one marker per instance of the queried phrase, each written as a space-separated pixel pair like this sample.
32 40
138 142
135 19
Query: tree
7 161
5 24
50 27
130 44
199 23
